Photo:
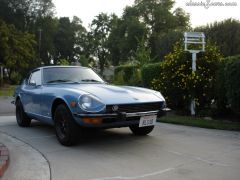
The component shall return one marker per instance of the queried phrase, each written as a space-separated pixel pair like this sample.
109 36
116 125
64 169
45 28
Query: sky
86 10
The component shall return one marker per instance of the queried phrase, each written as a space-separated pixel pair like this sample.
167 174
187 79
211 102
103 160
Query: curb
4 159
27 163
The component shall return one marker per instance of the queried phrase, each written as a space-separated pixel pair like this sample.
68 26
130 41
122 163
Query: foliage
63 62
125 35
161 19
227 88
64 40
127 75
142 54
151 20
84 61
226 35
150 72
24 13
221 101
164 43
16 49
179 85
80 40
16 77
47 26
100 29
232 74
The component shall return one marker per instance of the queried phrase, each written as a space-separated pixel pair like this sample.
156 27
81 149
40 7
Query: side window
35 78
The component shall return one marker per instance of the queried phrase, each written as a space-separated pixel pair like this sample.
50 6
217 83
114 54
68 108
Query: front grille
131 108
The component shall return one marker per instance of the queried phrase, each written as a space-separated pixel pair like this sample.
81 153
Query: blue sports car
75 98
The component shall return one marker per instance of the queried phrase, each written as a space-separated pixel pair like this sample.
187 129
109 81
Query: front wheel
141 131
22 119
65 126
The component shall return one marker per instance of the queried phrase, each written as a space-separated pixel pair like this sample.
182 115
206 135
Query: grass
7 90
201 122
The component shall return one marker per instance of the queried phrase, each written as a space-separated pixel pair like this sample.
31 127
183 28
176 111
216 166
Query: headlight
90 103
86 102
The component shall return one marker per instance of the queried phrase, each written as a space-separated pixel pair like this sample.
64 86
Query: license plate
147 121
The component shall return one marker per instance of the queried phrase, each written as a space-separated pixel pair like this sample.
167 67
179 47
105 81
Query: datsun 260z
73 98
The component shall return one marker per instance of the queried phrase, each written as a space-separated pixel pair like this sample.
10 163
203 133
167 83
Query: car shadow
101 138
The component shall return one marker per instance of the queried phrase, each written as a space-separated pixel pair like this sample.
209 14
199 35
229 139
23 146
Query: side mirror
32 83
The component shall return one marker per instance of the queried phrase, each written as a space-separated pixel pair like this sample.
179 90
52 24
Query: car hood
110 94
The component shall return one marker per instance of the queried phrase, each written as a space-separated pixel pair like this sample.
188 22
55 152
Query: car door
32 93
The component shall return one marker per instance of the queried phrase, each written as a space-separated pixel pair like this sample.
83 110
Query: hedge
232 83
127 75
133 75
150 72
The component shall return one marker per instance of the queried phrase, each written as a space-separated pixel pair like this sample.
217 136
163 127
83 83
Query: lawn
201 122
7 90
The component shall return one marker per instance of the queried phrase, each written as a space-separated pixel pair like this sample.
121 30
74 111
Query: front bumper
120 119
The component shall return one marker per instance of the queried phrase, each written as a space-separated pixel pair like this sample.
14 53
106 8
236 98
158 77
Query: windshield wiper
61 80
90 80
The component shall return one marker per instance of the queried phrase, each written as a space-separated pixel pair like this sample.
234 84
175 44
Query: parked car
73 98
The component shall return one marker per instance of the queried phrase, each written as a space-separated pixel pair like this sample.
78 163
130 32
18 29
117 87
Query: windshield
70 75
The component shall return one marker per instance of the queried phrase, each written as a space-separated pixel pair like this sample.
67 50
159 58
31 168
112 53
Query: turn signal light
92 120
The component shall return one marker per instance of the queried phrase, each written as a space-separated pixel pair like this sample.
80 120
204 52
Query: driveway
6 108
169 152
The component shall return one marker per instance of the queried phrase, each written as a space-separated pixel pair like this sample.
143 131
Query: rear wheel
65 126
22 119
141 130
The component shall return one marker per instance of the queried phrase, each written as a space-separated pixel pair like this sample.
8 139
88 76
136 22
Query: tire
66 128
22 119
141 131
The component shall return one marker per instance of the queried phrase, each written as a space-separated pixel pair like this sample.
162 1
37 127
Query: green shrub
150 72
63 62
15 78
127 75
179 85
232 83
221 108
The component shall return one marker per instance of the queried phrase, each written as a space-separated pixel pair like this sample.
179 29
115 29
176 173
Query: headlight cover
90 103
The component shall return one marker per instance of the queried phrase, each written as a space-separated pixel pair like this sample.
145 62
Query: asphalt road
170 152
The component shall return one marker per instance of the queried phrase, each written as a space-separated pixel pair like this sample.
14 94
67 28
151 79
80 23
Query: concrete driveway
6 108
170 152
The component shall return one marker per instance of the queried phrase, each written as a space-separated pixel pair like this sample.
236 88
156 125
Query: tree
47 26
64 40
100 29
80 51
24 13
142 54
124 36
161 20
226 34
17 50
179 85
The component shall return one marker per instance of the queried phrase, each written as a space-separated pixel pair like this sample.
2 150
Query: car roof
46 67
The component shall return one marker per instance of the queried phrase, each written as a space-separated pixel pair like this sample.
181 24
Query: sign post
194 43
